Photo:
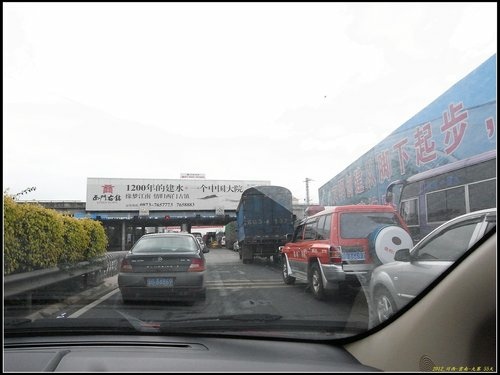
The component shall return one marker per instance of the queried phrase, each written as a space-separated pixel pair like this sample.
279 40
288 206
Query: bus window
444 205
409 211
482 195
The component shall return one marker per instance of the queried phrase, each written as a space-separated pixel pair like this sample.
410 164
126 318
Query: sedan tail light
125 266
197 265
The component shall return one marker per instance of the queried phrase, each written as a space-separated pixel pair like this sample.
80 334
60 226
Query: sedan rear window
165 244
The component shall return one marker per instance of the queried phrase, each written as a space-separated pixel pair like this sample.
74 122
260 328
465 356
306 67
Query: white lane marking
93 304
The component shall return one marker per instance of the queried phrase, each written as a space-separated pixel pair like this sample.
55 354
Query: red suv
342 245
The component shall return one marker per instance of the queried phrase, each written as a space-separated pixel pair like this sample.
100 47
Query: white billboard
192 175
124 194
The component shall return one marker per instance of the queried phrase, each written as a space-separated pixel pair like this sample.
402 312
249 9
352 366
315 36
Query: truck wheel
316 283
286 275
246 254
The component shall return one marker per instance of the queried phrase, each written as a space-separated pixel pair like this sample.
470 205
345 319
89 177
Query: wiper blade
71 326
238 317
15 322
250 323
196 323
260 322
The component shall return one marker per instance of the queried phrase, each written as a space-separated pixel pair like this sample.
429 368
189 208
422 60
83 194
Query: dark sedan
164 266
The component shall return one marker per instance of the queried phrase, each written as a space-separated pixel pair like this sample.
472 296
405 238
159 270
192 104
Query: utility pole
307 190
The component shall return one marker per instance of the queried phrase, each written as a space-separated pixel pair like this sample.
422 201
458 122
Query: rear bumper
163 294
332 274
186 286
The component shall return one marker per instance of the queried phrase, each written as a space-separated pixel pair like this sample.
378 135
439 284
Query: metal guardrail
96 271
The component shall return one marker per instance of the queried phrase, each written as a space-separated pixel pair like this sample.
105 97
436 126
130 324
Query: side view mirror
402 255
289 237
205 249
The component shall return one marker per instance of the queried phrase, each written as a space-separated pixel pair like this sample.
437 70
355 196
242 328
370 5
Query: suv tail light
125 266
335 254
197 265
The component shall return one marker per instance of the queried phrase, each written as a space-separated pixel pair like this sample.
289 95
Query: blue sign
459 124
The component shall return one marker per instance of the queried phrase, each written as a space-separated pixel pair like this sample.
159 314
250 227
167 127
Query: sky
278 92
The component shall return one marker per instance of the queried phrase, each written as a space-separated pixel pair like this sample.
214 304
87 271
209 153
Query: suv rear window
361 224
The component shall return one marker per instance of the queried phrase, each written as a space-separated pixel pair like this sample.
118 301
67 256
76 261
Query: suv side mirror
289 237
402 255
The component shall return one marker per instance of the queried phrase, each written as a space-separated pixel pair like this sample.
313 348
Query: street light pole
307 190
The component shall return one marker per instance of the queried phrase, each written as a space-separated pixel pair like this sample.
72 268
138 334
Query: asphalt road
232 288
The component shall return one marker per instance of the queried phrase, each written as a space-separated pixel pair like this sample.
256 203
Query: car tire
316 282
289 280
126 299
383 304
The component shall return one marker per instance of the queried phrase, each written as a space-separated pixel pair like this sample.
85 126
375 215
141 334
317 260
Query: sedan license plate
353 255
160 282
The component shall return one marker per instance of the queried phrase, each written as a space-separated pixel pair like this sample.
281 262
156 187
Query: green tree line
36 237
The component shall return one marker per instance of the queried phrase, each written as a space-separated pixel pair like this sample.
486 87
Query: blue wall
459 124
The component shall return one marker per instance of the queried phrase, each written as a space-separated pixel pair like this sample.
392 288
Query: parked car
341 245
394 284
164 266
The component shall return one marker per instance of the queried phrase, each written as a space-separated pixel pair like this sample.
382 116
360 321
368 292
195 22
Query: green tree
98 241
76 240
40 237
11 246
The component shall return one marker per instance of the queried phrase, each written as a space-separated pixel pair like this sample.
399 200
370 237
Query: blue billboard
459 124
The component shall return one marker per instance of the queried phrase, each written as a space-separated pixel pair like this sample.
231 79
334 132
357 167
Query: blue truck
264 217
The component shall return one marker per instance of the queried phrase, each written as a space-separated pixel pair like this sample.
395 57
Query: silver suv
394 284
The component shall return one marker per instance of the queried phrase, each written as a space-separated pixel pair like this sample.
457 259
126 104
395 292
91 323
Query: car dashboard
123 353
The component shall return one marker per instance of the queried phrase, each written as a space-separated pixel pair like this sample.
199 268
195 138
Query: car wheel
286 274
126 299
316 282
384 305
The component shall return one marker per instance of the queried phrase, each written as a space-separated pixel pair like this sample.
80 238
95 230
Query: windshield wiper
180 325
24 326
238 317
16 322
260 322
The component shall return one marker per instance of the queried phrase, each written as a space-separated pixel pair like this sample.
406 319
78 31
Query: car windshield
279 170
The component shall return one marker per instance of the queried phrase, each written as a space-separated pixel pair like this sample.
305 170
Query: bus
430 198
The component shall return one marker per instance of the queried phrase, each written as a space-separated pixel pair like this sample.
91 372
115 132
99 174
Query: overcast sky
244 91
